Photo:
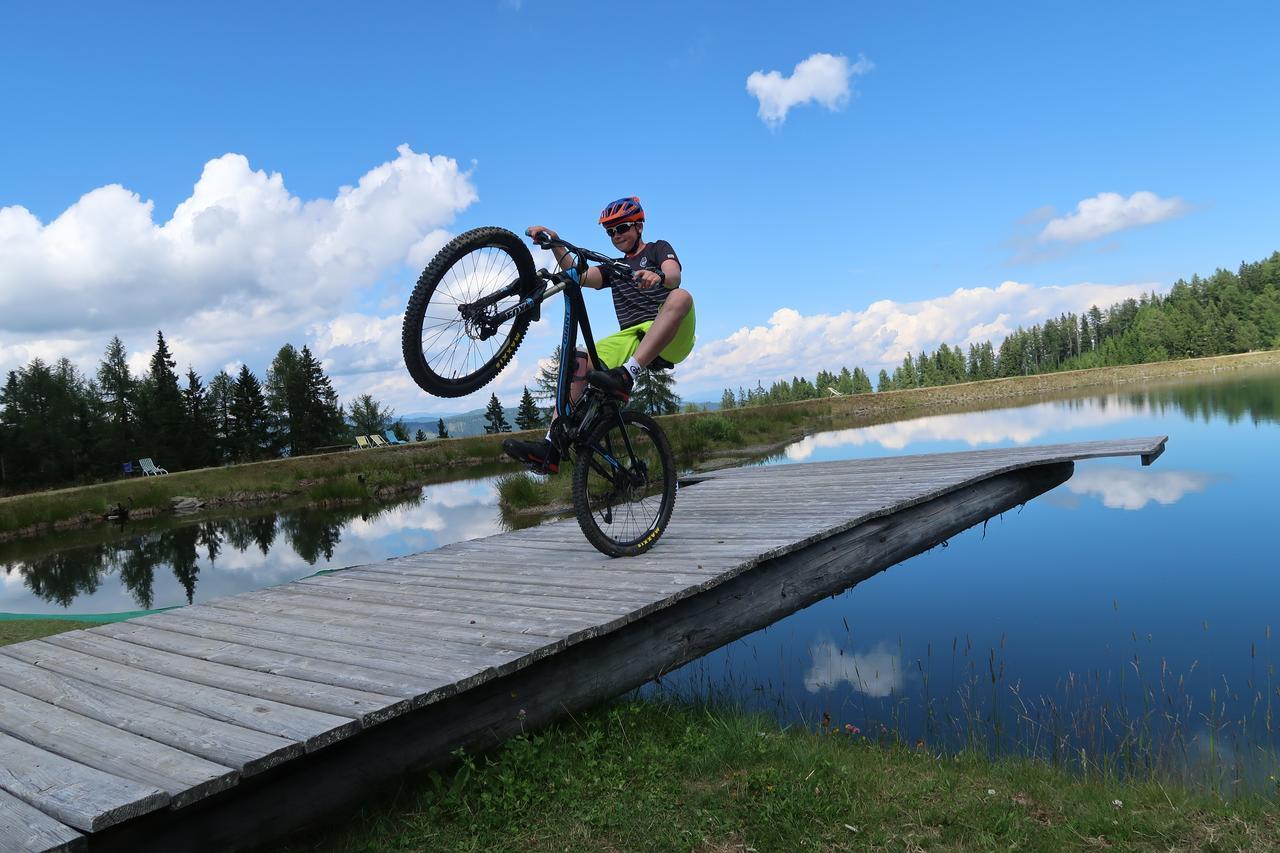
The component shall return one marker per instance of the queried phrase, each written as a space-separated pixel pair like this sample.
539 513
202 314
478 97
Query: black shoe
617 381
539 455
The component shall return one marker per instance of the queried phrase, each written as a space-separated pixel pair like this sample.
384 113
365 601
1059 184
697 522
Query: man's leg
665 326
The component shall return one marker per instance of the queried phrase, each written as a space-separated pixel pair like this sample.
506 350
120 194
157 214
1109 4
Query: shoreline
385 472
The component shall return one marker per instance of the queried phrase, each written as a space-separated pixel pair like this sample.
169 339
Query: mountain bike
465 320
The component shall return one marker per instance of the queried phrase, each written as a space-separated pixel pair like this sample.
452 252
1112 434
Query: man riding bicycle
655 316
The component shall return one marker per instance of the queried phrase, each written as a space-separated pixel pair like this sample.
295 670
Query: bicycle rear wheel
624 484
451 346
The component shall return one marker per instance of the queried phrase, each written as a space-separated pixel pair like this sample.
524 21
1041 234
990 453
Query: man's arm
670 278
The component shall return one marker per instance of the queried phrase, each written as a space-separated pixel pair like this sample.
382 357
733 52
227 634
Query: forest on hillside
1228 312
60 427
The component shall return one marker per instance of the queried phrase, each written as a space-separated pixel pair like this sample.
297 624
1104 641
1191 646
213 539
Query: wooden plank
311 728
365 707
386 648
465 582
425 598
26 828
185 778
274 662
562 576
245 750
350 653
484 639
531 625
419 588
71 792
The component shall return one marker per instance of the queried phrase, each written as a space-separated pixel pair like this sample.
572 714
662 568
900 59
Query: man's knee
678 301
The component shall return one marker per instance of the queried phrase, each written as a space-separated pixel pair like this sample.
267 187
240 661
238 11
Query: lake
1129 613
1125 616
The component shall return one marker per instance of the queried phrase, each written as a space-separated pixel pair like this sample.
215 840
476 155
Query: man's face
625 236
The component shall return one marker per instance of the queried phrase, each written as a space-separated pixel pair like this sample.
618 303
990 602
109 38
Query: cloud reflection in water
876 673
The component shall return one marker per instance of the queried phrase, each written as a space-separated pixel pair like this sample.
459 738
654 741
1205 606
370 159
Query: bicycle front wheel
452 345
624 484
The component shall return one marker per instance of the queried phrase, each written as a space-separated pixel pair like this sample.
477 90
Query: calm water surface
166 563
1128 603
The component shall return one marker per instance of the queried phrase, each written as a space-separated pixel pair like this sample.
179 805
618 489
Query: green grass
20 630
639 775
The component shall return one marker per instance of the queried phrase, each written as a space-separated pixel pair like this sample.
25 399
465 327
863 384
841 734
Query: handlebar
619 268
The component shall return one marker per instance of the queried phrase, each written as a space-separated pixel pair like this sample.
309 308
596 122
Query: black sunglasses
620 229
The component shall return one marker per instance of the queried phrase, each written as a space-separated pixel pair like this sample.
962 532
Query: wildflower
852 729
521 714
991 792
1117 803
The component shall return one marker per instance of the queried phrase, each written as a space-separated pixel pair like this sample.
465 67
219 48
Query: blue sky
898 175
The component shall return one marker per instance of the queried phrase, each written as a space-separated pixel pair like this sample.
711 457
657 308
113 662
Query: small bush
717 429
519 490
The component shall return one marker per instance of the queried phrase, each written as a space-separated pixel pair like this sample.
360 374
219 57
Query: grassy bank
718 438
640 775
20 630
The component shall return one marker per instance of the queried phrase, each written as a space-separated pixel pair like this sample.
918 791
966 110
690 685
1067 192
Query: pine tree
528 415
250 422
653 393
420 435
200 444
495 420
547 382
160 411
118 391
324 423
369 416
222 390
727 399
286 391
441 430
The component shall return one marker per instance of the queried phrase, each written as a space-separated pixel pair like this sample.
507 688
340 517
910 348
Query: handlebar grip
542 238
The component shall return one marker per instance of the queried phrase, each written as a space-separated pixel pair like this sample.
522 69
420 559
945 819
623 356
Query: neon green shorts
621 345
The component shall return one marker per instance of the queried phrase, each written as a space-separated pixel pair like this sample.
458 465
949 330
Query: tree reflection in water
62 576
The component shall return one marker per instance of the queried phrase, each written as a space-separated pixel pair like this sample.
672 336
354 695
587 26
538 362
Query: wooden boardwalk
227 723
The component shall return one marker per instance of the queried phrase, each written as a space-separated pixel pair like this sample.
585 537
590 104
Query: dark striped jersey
632 304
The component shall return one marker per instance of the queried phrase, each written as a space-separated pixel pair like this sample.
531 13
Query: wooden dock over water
229 723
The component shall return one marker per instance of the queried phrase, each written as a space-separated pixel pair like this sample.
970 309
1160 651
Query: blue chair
391 437
128 468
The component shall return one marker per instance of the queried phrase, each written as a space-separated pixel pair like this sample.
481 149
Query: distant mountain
459 425
473 423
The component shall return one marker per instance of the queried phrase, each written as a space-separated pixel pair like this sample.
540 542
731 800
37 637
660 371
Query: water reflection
1125 488
168 562
978 429
1124 621
877 673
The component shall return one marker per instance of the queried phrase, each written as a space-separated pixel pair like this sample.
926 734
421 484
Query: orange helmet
622 210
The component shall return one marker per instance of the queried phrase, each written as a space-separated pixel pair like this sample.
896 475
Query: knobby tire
443 354
612 522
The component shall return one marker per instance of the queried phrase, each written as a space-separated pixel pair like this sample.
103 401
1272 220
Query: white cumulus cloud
881 335
822 78
241 267
1107 213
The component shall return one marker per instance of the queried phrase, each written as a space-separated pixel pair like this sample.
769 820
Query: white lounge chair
149 468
